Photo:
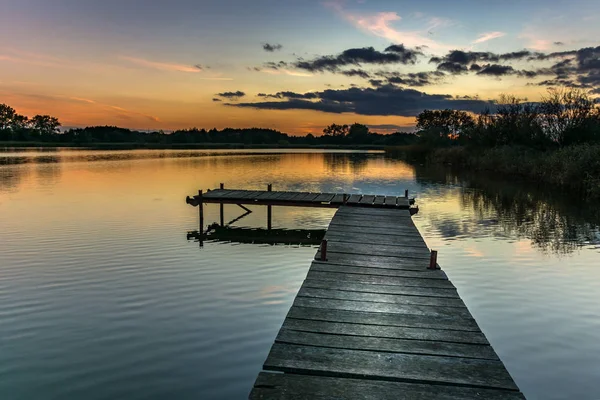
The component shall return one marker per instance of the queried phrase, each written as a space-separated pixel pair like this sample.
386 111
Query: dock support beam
433 260
269 211
222 186
406 193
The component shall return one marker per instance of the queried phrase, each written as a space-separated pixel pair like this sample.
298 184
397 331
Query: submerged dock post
433 260
221 186
269 211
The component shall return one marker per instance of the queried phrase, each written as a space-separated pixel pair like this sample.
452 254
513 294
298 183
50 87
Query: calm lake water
102 296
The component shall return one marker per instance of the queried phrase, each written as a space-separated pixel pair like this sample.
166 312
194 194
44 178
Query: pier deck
372 321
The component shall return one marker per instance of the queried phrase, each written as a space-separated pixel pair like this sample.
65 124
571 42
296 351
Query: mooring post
406 193
433 260
221 186
324 250
269 211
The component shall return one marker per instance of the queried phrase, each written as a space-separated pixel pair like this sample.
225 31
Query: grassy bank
574 168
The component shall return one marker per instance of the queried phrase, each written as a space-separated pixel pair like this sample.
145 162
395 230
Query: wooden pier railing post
433 260
324 250
269 211
221 186
406 193
201 214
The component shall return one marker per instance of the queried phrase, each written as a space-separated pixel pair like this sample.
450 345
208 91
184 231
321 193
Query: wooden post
269 210
324 250
222 186
201 215
406 193
433 260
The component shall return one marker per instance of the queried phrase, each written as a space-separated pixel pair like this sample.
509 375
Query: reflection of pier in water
375 316
259 235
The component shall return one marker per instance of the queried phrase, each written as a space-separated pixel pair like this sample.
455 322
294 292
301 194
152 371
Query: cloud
558 43
484 37
356 72
452 67
380 24
232 95
272 47
496 70
383 100
411 79
162 66
216 100
395 54
278 68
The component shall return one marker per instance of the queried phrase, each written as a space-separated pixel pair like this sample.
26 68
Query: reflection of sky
102 245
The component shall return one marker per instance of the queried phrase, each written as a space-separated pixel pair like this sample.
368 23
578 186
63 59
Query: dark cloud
376 82
559 43
470 57
272 47
232 95
291 95
475 67
356 72
412 79
275 65
452 67
383 100
215 99
395 54
496 70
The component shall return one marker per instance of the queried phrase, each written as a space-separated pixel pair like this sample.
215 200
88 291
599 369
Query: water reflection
258 235
553 221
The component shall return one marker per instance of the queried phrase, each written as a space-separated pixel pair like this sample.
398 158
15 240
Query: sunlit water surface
103 297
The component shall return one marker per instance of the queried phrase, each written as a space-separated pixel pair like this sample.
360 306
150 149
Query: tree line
46 129
562 118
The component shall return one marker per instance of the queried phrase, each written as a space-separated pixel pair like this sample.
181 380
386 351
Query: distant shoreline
186 146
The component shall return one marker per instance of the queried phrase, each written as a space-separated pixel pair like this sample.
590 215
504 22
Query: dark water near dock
102 295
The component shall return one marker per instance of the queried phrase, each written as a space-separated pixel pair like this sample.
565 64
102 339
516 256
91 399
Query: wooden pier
376 318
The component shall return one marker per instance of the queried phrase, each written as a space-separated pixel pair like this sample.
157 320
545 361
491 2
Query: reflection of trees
11 177
552 220
340 162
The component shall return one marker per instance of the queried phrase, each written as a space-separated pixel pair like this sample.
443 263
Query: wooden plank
267 196
388 366
383 319
381 280
354 199
375 220
338 198
407 241
414 264
288 196
349 305
375 211
306 291
374 230
307 197
324 198
379 200
213 194
350 230
383 289
391 345
391 200
378 250
423 273
287 386
367 199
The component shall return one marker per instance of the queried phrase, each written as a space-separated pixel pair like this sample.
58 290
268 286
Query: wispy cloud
381 24
162 65
123 112
484 37
281 71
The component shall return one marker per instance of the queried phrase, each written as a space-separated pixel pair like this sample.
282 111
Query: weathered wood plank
392 213
271 386
354 199
288 196
349 305
379 200
391 200
267 196
389 366
378 250
367 199
346 269
383 319
383 289
324 198
306 291
350 230
385 344
381 280
406 241
414 264
307 197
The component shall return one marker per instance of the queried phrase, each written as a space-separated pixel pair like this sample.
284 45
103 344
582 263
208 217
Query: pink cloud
162 65
484 37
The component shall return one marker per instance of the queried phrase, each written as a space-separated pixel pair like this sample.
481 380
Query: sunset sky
290 65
